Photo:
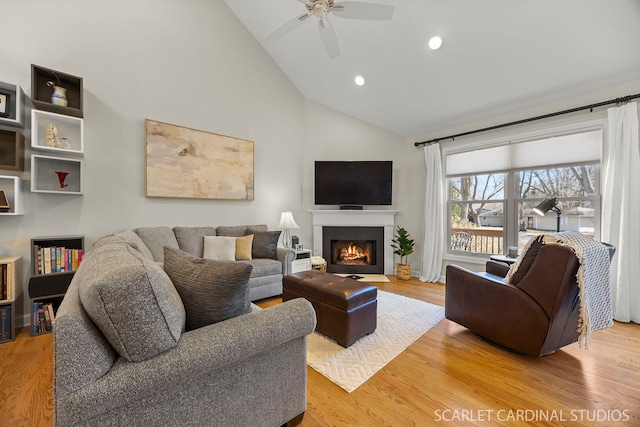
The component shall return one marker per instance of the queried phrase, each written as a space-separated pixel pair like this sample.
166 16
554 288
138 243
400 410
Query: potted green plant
403 245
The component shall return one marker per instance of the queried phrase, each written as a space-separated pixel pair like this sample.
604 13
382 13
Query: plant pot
403 271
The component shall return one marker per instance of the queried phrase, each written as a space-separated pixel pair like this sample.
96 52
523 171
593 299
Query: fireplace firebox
354 250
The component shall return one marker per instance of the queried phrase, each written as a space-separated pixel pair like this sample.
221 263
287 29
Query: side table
503 258
302 261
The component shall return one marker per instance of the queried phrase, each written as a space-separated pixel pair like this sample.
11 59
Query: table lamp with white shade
287 223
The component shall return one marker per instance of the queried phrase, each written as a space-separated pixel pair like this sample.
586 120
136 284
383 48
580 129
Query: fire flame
352 253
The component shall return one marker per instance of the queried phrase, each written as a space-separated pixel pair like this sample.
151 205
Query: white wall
331 135
189 63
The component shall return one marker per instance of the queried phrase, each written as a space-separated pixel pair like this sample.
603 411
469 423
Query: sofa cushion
191 239
156 238
244 246
132 301
252 229
212 291
135 241
264 267
232 231
220 248
265 244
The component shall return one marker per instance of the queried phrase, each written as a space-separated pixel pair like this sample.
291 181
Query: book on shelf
6 281
5 323
4 291
56 259
43 317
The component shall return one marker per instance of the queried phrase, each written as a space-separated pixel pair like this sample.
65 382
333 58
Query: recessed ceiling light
435 43
359 80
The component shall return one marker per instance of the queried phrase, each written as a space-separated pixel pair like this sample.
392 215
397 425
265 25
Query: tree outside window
480 206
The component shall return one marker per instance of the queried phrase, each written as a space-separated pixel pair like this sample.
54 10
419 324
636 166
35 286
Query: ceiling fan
321 9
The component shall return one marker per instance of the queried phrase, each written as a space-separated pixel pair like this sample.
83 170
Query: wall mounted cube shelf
11 150
41 92
12 106
68 127
44 178
11 187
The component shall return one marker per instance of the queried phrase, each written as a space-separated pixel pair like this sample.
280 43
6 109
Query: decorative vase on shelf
61 177
64 143
59 96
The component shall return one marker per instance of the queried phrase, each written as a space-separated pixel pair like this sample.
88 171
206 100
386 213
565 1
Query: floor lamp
287 223
549 204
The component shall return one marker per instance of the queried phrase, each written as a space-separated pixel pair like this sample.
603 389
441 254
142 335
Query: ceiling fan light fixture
435 43
323 9
320 8
359 80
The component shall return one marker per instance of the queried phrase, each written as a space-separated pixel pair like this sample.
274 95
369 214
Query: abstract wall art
189 163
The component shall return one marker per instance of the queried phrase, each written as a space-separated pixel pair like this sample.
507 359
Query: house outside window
494 186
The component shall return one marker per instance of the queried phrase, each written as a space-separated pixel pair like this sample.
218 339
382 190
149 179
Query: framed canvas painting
189 163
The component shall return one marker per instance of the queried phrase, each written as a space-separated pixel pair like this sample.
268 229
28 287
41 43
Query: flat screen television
354 183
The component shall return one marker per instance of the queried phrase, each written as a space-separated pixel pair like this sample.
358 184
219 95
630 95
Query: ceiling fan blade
289 26
363 10
329 38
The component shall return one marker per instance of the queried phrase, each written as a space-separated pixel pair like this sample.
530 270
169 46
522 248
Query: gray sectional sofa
266 277
124 357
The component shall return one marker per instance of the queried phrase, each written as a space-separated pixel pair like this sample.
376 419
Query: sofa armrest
285 256
199 352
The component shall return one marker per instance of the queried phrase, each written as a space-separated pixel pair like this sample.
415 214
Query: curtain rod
622 100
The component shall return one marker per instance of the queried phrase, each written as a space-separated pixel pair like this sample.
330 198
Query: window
476 212
492 190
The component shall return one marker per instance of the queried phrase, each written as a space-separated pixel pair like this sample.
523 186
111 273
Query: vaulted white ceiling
497 56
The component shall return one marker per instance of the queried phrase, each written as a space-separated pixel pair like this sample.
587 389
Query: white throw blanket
592 277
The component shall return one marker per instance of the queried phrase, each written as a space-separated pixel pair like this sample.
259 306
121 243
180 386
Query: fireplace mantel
356 218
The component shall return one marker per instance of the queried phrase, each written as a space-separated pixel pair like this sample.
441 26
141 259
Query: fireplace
383 219
356 250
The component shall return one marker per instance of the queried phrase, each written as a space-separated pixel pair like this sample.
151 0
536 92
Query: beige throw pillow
243 247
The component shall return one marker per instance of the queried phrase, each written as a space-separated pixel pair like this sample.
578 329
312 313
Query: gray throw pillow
211 291
265 244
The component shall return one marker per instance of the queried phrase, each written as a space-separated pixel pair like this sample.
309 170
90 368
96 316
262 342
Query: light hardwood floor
447 377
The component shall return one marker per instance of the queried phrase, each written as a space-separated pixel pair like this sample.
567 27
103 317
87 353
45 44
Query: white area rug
371 278
401 321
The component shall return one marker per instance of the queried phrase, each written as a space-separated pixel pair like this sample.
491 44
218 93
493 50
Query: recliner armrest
497 268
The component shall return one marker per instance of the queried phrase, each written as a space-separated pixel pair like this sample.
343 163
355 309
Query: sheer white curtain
621 210
433 216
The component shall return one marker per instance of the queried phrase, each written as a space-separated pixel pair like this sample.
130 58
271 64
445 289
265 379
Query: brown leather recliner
535 314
